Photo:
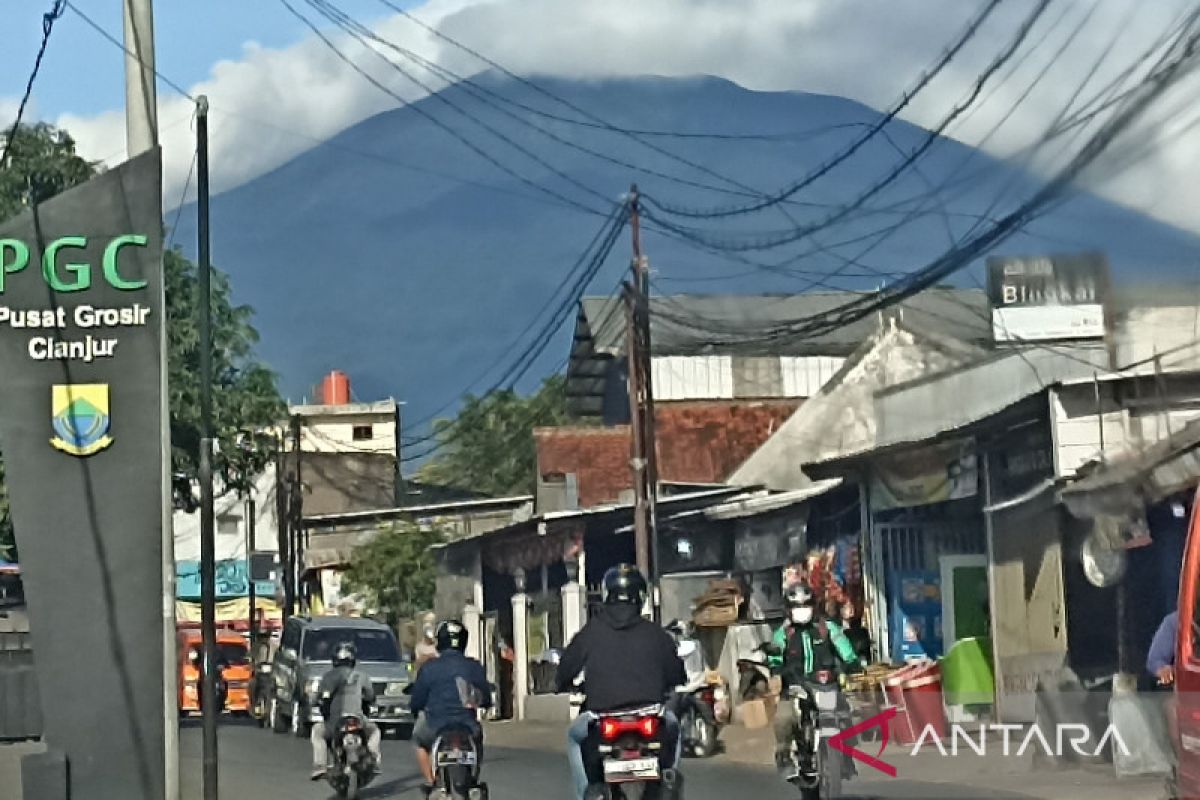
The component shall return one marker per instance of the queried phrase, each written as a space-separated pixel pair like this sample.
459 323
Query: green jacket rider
802 646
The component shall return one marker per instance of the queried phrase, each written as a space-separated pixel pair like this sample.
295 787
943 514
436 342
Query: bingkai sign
82 419
1048 298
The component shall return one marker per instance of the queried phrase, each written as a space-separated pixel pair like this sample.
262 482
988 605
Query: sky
275 89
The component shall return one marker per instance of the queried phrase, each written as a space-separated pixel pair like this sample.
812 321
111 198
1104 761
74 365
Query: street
259 764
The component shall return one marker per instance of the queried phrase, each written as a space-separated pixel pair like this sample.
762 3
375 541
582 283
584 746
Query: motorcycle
700 704
820 711
351 765
622 757
260 692
456 765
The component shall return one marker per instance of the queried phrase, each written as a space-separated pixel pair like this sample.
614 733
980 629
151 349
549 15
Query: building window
228 525
362 433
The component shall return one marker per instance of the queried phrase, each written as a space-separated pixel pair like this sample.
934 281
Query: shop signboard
1048 297
930 475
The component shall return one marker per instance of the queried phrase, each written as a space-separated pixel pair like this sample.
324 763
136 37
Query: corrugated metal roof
960 312
842 418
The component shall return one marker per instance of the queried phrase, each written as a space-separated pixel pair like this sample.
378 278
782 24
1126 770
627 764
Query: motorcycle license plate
456 758
636 769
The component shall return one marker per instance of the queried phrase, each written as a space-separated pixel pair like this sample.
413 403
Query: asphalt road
261 765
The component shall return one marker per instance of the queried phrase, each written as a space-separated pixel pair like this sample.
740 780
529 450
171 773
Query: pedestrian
426 649
1160 661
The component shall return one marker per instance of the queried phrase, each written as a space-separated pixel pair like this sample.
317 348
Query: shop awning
1135 478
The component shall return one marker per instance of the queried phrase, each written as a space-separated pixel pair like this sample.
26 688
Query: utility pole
141 134
141 101
251 512
283 522
208 541
644 461
296 549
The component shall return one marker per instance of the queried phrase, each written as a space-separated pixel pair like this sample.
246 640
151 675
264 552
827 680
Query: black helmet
345 655
451 635
624 584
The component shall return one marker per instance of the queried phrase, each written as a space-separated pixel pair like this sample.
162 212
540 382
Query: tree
42 163
395 571
489 446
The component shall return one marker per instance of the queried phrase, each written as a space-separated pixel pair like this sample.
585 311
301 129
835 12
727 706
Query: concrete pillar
473 621
574 610
520 607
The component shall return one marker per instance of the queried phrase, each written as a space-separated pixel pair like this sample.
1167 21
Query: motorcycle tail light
609 729
648 727
824 676
709 696
353 724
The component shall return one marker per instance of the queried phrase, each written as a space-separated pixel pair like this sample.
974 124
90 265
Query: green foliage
245 397
489 447
43 163
395 572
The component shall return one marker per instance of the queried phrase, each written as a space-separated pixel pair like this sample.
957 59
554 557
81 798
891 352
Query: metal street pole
141 131
251 511
208 542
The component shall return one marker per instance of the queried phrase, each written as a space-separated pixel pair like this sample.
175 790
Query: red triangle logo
839 742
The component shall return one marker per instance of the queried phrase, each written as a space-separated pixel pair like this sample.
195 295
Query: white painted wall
712 377
692 377
1077 426
334 433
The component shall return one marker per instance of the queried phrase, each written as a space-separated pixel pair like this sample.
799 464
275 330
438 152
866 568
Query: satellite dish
1103 563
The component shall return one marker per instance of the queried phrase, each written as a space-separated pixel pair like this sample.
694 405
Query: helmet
345 655
799 595
624 584
451 635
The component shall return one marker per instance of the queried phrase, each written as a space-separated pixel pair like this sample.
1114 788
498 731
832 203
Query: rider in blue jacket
449 689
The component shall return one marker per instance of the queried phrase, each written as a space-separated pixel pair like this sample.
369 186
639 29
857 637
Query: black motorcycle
820 710
457 763
261 686
351 765
622 756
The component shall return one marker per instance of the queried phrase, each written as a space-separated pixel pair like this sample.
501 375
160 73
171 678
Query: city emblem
80 417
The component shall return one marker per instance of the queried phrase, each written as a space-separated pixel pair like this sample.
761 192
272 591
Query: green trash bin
968 680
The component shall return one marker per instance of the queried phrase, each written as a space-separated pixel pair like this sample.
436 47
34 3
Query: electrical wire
48 19
417 108
931 138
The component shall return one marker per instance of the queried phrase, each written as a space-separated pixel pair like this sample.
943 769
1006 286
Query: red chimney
335 389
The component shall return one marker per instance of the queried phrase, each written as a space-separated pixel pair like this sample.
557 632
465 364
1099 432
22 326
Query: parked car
304 656
234 656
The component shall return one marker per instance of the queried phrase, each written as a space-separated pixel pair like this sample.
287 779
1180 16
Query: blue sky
84 74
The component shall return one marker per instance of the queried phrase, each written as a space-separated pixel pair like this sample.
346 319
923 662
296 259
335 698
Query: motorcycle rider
449 689
344 692
800 648
628 662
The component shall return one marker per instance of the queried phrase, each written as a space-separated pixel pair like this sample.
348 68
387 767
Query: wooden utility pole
643 457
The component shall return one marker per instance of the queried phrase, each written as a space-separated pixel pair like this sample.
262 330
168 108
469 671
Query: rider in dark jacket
450 689
627 662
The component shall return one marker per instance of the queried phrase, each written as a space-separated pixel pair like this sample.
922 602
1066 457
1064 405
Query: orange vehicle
237 671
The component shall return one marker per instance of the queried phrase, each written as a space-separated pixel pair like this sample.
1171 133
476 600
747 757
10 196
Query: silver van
305 655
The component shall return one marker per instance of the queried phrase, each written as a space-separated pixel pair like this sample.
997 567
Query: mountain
361 254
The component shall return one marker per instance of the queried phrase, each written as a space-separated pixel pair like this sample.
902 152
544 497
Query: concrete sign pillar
81 427
520 608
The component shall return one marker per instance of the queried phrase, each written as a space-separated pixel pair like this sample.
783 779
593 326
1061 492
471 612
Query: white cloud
868 50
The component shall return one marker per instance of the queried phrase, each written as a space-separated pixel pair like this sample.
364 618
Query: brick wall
698 442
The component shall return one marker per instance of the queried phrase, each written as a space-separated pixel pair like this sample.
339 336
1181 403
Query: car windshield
234 654
371 645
